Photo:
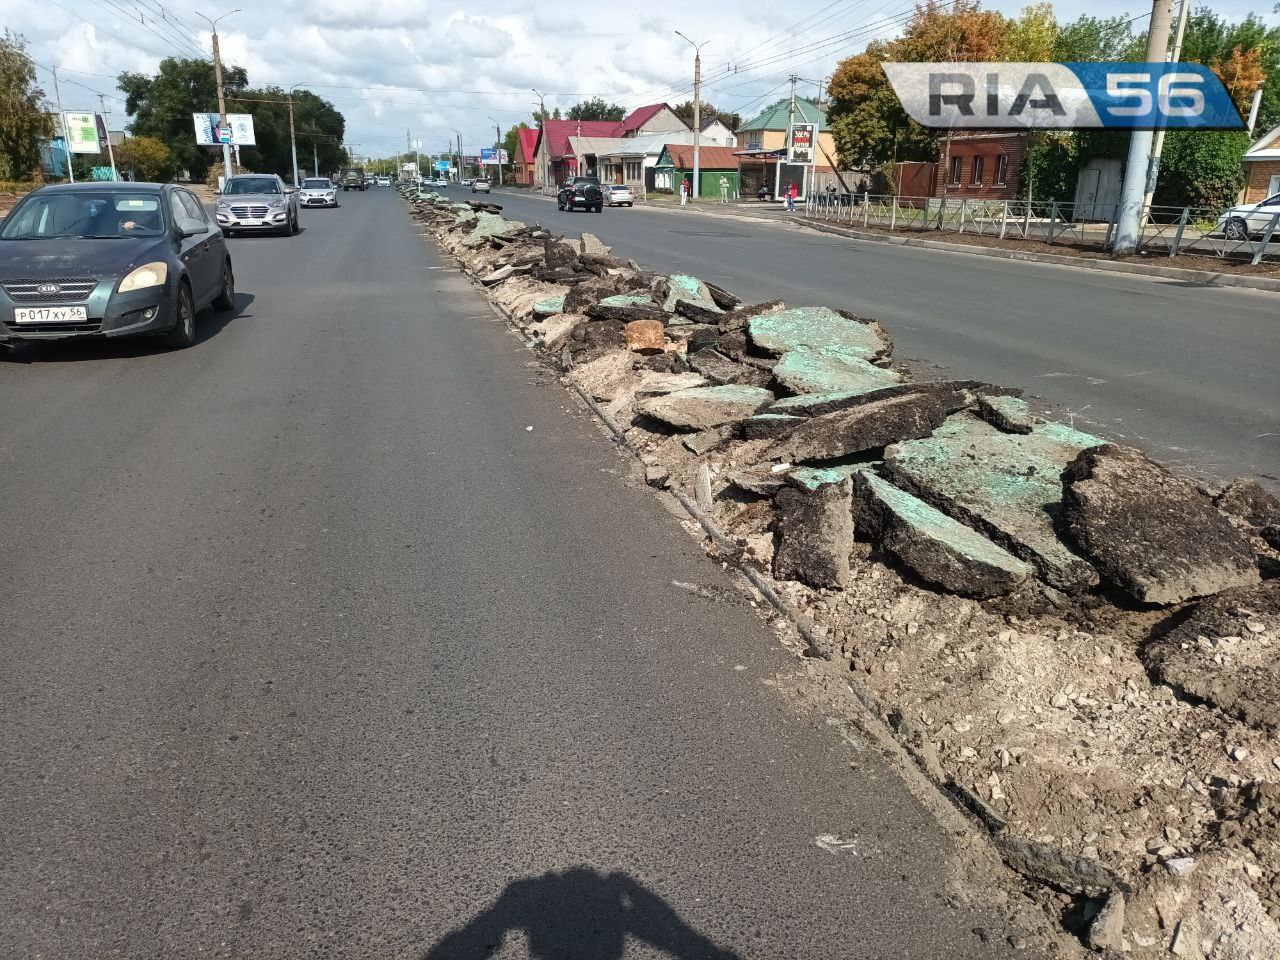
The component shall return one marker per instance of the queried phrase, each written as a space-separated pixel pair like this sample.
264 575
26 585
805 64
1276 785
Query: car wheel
226 299
1236 229
293 224
183 333
599 207
559 204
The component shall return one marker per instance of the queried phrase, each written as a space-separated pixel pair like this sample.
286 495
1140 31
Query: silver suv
257 202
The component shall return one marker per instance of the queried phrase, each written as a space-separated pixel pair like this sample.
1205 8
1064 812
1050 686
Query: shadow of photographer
578 914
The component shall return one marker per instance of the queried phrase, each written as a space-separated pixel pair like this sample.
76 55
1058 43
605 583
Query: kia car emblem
49 288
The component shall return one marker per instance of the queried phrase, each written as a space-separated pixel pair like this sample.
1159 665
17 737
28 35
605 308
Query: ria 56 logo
1064 96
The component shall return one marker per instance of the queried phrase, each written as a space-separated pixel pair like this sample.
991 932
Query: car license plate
50 315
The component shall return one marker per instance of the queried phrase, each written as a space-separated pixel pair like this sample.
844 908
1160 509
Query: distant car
256 202
318 192
481 186
1249 219
618 195
468 182
384 181
441 182
581 192
353 178
111 260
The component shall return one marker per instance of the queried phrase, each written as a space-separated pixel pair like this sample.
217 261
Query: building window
955 171
633 171
977 171
1002 169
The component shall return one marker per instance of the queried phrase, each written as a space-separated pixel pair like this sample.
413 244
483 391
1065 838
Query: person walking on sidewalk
684 191
724 189
791 197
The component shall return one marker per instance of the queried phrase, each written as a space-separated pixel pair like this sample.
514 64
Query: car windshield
238 186
98 214
618 188
316 185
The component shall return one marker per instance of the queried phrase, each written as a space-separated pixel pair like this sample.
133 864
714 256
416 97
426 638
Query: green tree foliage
685 112
161 106
146 158
596 109
24 121
539 116
1088 39
1202 169
511 141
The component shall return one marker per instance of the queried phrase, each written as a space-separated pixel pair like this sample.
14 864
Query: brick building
1262 167
978 164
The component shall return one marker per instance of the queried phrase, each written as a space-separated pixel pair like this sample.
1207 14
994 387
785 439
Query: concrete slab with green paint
827 370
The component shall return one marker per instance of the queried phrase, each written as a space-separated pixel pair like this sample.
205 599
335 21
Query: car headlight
277 204
147 275
224 204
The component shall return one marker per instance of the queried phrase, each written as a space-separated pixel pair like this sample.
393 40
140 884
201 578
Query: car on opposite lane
111 260
318 192
618 195
481 186
257 202
581 192
1249 219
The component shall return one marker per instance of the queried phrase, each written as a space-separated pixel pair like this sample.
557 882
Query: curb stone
1069 872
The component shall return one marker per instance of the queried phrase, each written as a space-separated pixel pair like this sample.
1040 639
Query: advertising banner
801 143
238 130
493 155
82 133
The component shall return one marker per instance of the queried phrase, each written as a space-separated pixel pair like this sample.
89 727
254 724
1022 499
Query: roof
712 121
648 144
581 146
709 158
1266 147
559 132
638 117
775 117
132 186
528 144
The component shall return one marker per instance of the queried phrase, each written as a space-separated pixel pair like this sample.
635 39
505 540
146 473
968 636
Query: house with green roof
762 149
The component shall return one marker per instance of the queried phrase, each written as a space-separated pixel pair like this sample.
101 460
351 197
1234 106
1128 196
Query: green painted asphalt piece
825 371
629 300
933 523
811 478
1006 484
691 289
548 306
490 225
817 327
805 404
1013 410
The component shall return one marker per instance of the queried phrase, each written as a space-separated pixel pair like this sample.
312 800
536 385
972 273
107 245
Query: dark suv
581 192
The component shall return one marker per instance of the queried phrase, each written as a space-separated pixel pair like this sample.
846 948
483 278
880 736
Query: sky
399 68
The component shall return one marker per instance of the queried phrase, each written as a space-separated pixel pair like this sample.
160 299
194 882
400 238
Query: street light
458 173
217 75
293 139
542 139
697 108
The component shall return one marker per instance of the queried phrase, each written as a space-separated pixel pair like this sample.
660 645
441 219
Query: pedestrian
763 193
684 191
791 194
724 189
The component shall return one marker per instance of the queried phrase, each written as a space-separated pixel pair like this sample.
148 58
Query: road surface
345 634
1185 372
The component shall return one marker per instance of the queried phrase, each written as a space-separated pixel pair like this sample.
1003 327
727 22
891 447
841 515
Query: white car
481 186
1249 219
618 195
384 181
318 192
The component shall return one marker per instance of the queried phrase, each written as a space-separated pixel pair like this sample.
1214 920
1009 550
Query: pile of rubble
1076 642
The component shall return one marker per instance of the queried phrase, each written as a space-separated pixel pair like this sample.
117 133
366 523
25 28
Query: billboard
82 132
800 143
492 155
442 166
238 131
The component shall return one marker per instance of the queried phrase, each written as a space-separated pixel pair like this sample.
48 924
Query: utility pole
111 153
791 120
497 129
217 75
459 174
697 112
1174 56
62 118
315 160
542 140
293 140
1137 167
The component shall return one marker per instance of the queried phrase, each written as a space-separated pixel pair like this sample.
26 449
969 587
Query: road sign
224 134
82 133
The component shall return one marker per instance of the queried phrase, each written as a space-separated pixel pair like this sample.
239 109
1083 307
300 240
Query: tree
24 122
318 125
596 109
511 141
539 115
709 111
1033 36
146 158
1202 168
866 118
161 106
1092 39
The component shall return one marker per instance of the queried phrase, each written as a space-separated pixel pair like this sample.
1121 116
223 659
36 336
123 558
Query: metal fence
1166 231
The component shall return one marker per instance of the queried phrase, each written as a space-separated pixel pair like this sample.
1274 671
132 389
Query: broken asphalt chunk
937 548
1010 414
820 328
1006 485
814 535
1152 533
704 407
824 370
866 427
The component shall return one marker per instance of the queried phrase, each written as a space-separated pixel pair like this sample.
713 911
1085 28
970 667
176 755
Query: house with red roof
525 162
557 135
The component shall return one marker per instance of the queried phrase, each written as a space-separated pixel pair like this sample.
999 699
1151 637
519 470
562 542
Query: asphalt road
1186 372
312 648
